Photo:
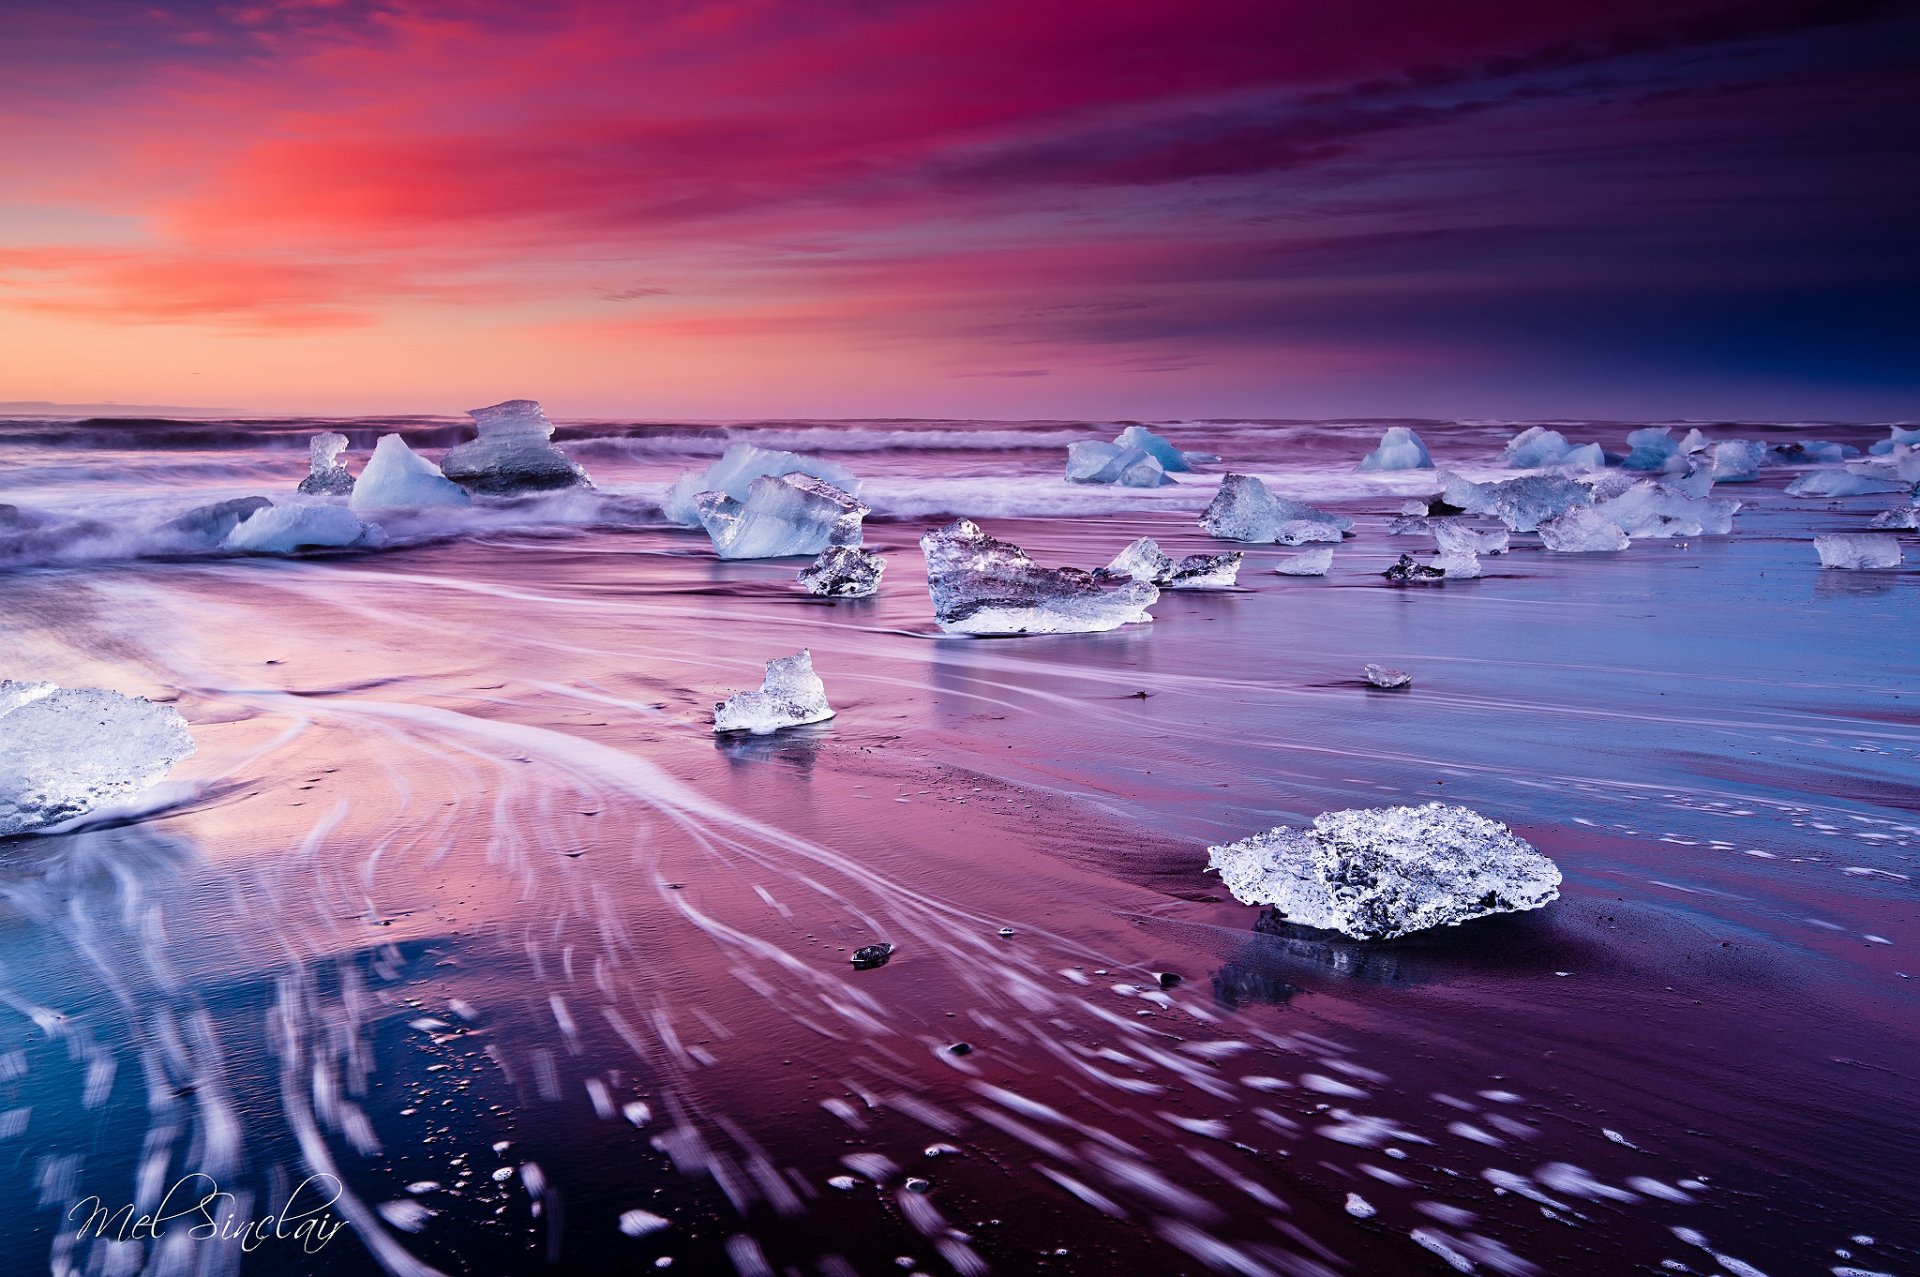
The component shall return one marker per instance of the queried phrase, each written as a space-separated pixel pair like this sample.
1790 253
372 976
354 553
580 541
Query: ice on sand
1898 436
735 472
1655 448
1091 461
844 572
1522 504
1650 509
1145 561
791 695
1457 538
1857 550
1900 518
1537 447
1738 460
1381 676
1161 450
513 453
1459 565
398 478
64 751
1400 449
1582 530
326 476
283 529
206 526
1313 562
1840 483
1409 570
981 585
1377 873
1243 510
793 514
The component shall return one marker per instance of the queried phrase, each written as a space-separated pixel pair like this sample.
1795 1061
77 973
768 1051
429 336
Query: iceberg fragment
283 529
1582 530
1456 538
1091 461
1900 518
1400 449
1738 460
1654 448
205 527
790 695
398 478
513 453
1312 563
1243 510
1897 436
1807 450
326 476
1650 509
1459 565
1840 483
844 572
1382 677
1537 447
1162 450
1377 873
985 586
64 751
1857 551
1522 504
793 514
1145 561
735 472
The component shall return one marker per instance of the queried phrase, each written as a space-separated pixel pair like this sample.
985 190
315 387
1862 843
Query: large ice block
1857 550
1145 561
1522 504
793 514
1582 530
1243 510
735 472
791 695
1313 562
283 529
1091 461
1162 450
1655 510
64 751
1538 447
985 586
513 453
1377 873
1400 449
1738 460
326 477
398 478
1841 483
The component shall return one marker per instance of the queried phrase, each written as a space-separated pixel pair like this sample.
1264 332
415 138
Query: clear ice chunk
981 585
1400 449
283 529
1654 448
514 452
1813 450
1459 565
1840 483
844 572
1145 561
1900 518
1091 461
1522 504
1738 460
1162 450
1377 873
1857 550
326 476
1311 563
1655 510
735 472
1457 538
1537 448
790 695
1381 676
65 751
793 514
1897 436
1243 510
398 478
1582 530
206 527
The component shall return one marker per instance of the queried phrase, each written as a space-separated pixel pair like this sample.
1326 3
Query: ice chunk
1457 538
1161 450
1857 550
1381 676
1400 449
64 751
1522 504
398 478
1654 448
1408 570
1311 563
793 514
513 453
984 586
208 525
282 529
1649 509
1814 450
1582 530
1537 447
1091 461
1840 483
735 472
1900 518
1459 565
1389 871
1738 460
1145 561
790 695
327 477
844 572
1897 436
1243 510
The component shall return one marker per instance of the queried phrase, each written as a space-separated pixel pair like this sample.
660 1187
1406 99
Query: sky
1136 209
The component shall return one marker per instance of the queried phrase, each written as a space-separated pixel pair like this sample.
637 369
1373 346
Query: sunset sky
1001 208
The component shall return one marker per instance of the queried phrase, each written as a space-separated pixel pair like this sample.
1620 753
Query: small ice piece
1840 483
64 751
1400 449
1359 1207
1377 873
1381 676
1582 530
639 1223
327 477
735 472
1897 436
513 453
1161 450
844 572
1312 563
398 478
1522 504
790 695
793 514
1408 570
1145 561
283 529
1898 519
1537 447
1243 510
1091 461
872 955
1459 565
985 586
1456 538
1738 460
1857 550
208 525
